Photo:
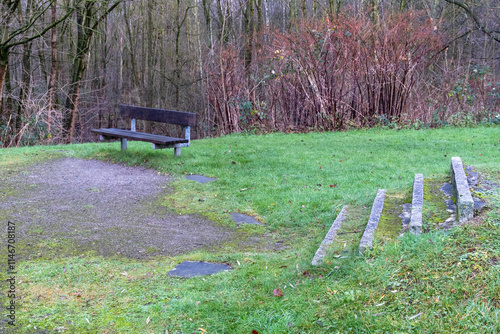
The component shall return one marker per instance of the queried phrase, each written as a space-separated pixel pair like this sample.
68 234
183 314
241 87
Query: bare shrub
323 75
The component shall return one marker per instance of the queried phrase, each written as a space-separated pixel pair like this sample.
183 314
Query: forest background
246 65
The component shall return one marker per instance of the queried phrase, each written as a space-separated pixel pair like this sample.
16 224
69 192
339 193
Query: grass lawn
296 185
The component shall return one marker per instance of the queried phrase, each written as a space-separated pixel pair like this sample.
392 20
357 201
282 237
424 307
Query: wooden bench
185 119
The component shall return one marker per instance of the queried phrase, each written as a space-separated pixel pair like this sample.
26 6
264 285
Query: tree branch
27 26
36 35
475 19
453 40
94 27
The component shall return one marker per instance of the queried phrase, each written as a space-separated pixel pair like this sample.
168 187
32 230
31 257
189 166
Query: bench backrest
158 115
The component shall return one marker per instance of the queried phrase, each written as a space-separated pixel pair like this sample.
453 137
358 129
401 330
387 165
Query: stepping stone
192 269
447 189
472 176
240 218
416 205
330 236
200 178
479 204
367 238
405 216
473 180
461 191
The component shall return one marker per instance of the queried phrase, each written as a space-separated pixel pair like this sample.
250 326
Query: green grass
295 184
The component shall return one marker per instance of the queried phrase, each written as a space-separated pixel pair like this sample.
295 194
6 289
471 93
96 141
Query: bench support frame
177 147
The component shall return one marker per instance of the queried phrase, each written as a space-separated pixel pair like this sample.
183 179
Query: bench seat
141 136
182 118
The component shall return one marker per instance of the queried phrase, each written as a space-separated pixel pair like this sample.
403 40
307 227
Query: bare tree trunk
4 63
26 73
88 20
52 81
150 58
225 18
208 21
130 37
266 12
83 16
374 9
249 33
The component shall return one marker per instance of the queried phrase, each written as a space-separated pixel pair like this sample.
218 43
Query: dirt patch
74 206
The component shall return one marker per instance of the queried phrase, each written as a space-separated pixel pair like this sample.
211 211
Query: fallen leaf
277 293
202 330
254 331
197 303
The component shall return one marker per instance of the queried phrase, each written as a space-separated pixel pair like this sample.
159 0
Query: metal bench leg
124 144
177 151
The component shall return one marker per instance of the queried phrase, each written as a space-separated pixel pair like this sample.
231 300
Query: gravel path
96 206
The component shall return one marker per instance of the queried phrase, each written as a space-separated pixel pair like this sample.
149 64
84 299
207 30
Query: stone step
417 202
367 238
461 191
330 236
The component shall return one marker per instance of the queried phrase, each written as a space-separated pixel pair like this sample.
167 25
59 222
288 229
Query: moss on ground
349 235
434 207
390 226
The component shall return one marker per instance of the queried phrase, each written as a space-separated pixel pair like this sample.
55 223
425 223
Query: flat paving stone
192 269
479 204
200 178
405 215
240 218
472 176
473 180
447 191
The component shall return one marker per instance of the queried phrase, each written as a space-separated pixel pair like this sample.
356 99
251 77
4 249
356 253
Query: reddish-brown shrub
322 75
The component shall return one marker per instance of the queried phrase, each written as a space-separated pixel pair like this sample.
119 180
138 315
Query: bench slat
159 115
127 134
